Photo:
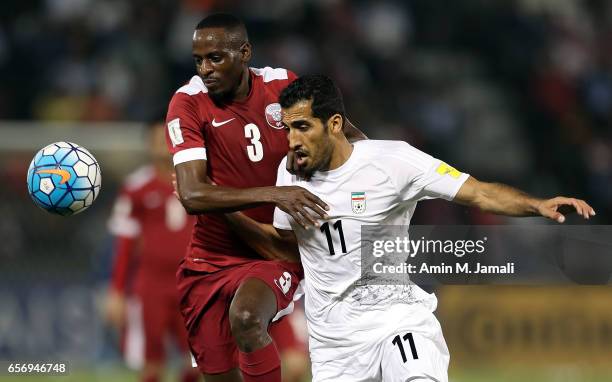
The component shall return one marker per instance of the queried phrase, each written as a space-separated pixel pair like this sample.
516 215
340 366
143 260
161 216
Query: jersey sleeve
124 219
123 249
291 76
183 134
420 176
123 224
282 220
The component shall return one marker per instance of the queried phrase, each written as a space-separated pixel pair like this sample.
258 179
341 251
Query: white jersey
380 184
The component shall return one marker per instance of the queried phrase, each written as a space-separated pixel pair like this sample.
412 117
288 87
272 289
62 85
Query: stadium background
513 91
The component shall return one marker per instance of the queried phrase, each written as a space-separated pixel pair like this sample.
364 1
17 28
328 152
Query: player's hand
303 206
114 309
556 208
293 168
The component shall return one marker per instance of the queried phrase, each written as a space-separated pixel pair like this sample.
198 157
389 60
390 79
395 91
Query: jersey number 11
338 227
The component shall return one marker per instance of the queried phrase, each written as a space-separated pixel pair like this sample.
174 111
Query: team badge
358 202
273 115
284 282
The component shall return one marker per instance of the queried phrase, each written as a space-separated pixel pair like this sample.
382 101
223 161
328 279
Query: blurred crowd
517 90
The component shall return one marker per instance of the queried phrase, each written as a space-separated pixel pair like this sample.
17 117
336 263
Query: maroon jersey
242 142
152 232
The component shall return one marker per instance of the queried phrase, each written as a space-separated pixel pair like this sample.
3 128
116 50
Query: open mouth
300 158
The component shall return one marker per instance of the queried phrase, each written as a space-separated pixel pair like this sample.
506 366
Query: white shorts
405 352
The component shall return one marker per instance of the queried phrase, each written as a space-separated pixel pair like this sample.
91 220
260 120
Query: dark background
512 91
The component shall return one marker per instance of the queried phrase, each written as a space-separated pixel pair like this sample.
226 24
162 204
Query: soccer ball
64 178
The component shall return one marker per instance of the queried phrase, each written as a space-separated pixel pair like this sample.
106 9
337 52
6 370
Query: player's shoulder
189 98
194 87
384 148
389 154
139 179
272 75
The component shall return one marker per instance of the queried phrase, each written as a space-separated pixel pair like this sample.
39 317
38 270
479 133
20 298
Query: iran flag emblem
358 202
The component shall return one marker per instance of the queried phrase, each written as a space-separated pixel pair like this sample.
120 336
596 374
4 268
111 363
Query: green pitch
565 374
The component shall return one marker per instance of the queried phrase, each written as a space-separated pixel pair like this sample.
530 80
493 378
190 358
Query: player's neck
244 88
342 152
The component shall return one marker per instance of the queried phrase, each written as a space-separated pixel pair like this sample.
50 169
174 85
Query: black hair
221 20
325 95
232 24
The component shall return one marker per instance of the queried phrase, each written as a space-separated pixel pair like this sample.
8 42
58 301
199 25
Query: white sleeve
122 221
282 220
420 176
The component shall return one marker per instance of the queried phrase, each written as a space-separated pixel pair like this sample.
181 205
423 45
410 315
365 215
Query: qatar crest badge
274 116
358 202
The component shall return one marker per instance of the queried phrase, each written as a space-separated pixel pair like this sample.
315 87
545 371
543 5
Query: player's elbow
194 202
485 197
474 194
187 204
190 209
194 205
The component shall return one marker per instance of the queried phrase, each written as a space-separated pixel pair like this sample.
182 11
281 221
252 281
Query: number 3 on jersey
255 149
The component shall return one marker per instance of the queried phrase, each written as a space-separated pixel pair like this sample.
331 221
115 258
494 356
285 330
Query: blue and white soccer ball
64 178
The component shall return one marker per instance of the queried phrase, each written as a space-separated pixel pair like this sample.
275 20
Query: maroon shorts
205 299
151 319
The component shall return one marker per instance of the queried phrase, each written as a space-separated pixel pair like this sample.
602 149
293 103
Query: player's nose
294 141
205 68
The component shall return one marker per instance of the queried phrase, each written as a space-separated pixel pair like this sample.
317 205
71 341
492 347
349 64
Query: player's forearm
263 238
206 198
502 199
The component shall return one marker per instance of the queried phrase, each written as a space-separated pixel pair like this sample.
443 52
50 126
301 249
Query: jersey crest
358 202
273 115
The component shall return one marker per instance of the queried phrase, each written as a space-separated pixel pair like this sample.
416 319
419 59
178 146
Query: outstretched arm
265 239
199 196
501 199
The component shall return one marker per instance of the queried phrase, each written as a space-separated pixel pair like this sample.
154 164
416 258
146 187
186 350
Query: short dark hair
325 95
220 20
229 23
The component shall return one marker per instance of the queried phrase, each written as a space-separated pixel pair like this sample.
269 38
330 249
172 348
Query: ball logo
63 173
274 116
284 282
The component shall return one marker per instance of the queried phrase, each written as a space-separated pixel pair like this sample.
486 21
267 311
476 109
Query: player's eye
216 59
197 60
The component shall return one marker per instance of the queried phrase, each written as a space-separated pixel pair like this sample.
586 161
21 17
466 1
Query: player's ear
246 51
334 124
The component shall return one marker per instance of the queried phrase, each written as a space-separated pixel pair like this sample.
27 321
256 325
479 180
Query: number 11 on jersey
397 340
338 227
